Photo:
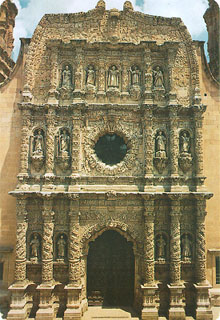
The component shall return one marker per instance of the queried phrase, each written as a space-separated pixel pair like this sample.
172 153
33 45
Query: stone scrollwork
160 159
37 149
185 158
63 148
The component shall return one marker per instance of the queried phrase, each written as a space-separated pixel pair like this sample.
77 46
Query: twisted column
47 241
200 242
149 216
54 76
74 244
175 253
20 263
198 117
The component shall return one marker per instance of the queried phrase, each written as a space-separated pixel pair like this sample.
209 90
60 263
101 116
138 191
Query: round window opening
111 149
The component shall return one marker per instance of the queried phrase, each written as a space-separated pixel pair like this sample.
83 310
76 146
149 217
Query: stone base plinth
177 307
203 310
73 310
18 308
150 304
46 306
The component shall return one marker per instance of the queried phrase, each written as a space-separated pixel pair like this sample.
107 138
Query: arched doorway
110 270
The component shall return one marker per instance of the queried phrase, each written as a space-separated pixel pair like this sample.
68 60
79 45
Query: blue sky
31 11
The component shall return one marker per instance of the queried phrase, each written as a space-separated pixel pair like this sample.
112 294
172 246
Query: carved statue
186 248
66 78
158 80
38 143
160 145
90 78
135 76
161 247
64 141
148 76
184 143
35 245
61 247
113 77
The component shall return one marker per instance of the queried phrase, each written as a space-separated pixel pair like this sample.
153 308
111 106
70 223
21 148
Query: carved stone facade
108 84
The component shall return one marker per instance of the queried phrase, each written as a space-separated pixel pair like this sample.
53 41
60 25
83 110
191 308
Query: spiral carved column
18 307
203 310
75 147
176 287
46 308
53 94
74 287
149 289
174 148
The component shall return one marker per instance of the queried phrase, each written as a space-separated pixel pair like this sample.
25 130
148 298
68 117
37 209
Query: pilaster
25 143
174 147
149 147
54 78
50 136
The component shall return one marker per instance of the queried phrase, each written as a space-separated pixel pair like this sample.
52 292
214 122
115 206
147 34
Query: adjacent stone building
110 120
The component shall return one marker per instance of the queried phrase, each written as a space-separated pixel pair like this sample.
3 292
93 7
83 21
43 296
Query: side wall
10 95
210 91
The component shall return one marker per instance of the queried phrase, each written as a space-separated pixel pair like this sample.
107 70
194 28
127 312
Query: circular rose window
111 149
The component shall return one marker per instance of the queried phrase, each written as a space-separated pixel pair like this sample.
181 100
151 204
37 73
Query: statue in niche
148 76
90 77
38 143
184 143
64 142
66 78
161 248
186 248
160 142
61 248
113 77
135 76
35 246
158 81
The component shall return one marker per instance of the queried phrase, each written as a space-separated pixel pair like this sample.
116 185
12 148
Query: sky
31 11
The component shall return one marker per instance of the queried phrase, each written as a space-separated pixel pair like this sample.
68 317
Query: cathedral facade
110 111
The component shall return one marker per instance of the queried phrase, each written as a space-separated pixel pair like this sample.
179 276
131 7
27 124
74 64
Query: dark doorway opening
110 271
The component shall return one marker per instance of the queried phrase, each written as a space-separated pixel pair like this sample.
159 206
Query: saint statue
158 78
184 143
160 145
66 78
161 246
135 76
186 248
113 77
90 79
61 246
38 143
64 140
35 245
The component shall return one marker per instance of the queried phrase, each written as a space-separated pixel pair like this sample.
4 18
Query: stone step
100 313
